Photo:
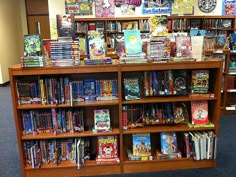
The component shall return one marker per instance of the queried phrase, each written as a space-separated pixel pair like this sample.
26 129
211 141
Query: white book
195 140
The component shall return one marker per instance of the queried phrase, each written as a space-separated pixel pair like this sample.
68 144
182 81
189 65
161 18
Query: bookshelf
118 71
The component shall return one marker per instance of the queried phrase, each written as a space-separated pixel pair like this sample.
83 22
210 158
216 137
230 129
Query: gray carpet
10 164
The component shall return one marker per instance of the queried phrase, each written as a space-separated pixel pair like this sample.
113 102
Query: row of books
63 90
59 121
138 116
197 145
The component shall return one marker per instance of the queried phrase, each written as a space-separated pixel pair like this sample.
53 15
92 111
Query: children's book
79 7
104 8
107 147
168 143
66 26
141 144
133 42
200 81
180 82
131 89
102 119
183 47
199 110
32 45
96 45
158 25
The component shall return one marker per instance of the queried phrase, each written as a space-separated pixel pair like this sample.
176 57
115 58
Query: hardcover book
133 43
32 45
102 119
104 8
199 110
168 143
183 47
141 144
66 26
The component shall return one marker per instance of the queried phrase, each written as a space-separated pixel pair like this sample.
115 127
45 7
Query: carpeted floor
10 165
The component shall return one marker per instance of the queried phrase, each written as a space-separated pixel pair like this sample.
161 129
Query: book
133 43
199 111
200 81
131 89
141 144
107 147
183 47
104 8
168 143
32 45
102 120
66 25
96 45
158 25
79 7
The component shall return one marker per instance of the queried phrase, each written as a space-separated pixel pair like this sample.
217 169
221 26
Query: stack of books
65 53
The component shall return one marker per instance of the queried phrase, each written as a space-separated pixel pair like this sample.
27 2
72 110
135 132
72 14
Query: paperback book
158 25
66 26
141 144
169 143
199 110
200 81
131 89
133 43
102 120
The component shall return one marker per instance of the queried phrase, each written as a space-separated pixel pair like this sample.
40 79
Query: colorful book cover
168 143
131 89
66 26
199 111
229 7
183 47
104 8
200 81
107 147
79 7
141 144
133 42
102 119
156 7
96 45
158 25
32 45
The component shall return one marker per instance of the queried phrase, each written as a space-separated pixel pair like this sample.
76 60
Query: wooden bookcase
118 71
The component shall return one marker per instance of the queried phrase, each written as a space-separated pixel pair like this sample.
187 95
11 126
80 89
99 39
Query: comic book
104 8
200 81
199 110
102 119
141 144
169 143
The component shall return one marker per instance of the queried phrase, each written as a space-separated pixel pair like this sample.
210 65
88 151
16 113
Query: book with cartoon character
32 45
168 143
158 25
199 111
96 45
141 144
104 8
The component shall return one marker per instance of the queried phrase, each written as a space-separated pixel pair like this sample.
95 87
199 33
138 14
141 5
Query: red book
199 112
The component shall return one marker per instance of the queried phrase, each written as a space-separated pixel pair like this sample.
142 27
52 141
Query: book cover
141 144
107 147
199 110
66 26
158 25
102 119
79 7
96 45
183 47
131 89
32 45
200 81
168 143
133 43
104 8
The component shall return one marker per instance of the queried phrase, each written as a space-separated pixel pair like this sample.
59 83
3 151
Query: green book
133 43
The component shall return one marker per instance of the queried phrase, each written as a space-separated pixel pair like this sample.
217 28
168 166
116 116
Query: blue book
133 43
197 32
168 143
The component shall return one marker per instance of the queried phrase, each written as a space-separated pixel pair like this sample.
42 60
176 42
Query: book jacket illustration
141 144
199 111
32 45
229 7
66 26
156 7
96 44
104 8
107 146
168 143
200 81
183 47
133 43
131 88
102 119
158 25
79 7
